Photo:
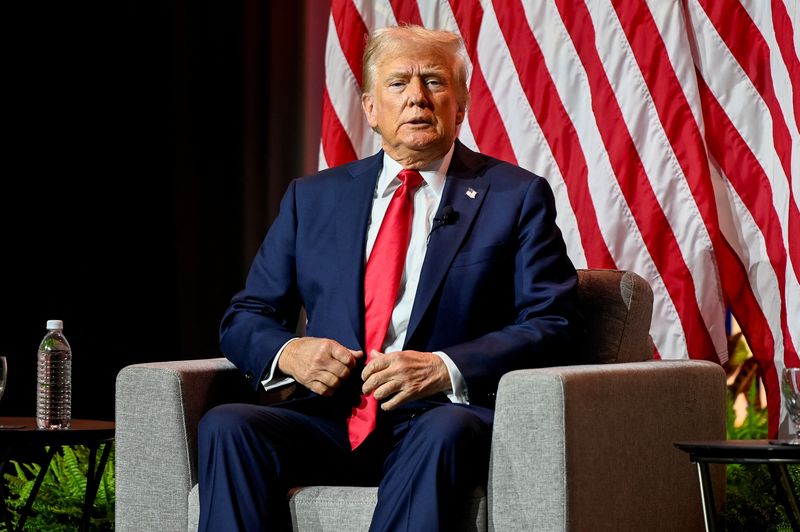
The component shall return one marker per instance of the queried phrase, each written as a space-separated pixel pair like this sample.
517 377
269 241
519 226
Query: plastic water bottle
54 380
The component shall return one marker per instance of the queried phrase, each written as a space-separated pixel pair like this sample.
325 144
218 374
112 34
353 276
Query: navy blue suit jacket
497 291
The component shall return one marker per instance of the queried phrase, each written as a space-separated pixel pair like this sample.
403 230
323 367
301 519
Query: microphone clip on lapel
449 217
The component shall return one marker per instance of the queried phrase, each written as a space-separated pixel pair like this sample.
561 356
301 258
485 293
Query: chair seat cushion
332 508
347 509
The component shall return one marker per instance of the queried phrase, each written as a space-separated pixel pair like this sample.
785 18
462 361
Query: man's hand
319 364
404 376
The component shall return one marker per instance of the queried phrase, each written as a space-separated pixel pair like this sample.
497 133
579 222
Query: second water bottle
54 379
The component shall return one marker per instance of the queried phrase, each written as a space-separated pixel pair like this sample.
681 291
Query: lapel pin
471 193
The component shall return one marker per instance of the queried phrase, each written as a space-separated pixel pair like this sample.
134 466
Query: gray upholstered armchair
586 447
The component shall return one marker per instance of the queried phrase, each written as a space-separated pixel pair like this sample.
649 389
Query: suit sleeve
548 327
263 317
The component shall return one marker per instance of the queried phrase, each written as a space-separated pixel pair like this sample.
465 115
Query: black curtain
152 142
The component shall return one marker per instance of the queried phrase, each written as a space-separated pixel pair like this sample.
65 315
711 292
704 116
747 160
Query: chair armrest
158 407
591 447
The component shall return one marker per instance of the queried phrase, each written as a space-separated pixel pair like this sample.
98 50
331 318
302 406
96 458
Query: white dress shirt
426 203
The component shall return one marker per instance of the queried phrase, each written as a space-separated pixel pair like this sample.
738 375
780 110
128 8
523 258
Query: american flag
667 129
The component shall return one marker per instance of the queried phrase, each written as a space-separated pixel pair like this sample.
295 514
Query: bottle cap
55 325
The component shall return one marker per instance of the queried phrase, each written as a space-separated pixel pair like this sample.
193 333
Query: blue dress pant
425 457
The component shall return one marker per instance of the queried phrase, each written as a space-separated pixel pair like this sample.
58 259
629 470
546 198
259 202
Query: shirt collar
434 174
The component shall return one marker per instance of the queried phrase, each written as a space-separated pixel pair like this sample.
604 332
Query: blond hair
391 39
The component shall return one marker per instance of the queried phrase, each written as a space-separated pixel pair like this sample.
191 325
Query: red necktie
381 282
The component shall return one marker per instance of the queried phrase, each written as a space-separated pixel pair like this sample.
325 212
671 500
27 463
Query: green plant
59 504
754 426
751 502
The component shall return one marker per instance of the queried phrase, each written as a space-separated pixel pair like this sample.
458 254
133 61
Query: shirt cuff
458 388
272 381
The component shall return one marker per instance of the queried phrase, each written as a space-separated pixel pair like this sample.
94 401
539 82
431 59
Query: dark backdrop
151 142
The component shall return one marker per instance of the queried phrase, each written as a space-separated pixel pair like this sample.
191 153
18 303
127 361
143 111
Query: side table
775 454
22 432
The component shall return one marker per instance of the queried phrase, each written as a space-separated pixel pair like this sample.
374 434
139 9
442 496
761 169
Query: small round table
773 453
22 432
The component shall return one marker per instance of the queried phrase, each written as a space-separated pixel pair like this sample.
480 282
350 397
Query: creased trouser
426 458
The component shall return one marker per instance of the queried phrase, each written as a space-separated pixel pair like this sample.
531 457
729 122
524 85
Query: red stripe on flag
352 33
336 144
469 16
557 128
686 139
784 34
656 232
671 104
748 47
751 51
489 132
746 175
751 184
406 12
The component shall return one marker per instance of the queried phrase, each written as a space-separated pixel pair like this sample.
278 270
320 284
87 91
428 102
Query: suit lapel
465 191
354 200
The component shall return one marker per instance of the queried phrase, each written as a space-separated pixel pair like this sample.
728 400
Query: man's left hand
404 376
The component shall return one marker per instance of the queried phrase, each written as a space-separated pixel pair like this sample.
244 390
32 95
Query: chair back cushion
618 306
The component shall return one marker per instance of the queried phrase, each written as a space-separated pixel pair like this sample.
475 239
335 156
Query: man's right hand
319 364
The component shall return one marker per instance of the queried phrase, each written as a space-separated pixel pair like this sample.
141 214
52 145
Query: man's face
413 105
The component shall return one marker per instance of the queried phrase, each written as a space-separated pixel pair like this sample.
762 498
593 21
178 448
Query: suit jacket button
248 375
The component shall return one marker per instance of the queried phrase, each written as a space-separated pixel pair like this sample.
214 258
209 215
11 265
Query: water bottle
54 379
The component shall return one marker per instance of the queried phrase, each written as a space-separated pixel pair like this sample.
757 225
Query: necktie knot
410 178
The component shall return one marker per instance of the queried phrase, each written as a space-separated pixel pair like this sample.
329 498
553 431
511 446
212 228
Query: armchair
587 447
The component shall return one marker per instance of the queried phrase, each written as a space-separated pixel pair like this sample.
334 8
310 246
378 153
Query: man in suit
427 271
